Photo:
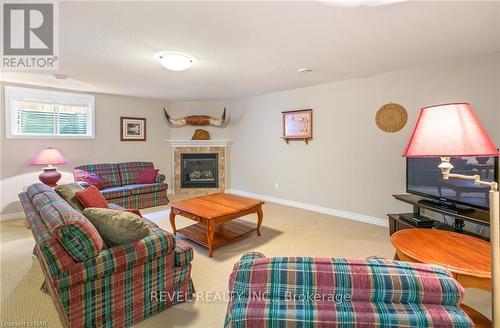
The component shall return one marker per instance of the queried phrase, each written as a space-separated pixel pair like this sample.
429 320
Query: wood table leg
260 216
480 321
210 237
172 221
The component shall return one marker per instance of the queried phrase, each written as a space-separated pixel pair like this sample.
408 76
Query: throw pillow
147 175
117 227
68 193
93 180
92 197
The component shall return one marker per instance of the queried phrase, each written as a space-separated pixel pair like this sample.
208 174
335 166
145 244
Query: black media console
415 219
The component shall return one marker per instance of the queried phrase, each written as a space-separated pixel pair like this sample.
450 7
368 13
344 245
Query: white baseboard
12 216
314 208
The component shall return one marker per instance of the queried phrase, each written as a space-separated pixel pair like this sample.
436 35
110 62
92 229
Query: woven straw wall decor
391 117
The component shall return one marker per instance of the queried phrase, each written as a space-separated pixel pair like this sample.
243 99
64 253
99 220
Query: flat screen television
424 178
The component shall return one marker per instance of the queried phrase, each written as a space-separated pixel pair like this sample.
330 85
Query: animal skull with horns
198 120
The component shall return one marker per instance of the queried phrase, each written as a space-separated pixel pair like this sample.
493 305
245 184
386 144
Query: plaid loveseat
121 184
96 287
339 292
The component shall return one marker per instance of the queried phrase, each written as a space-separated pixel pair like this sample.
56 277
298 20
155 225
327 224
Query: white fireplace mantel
199 143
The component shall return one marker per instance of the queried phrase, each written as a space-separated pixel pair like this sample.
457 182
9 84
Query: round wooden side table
466 257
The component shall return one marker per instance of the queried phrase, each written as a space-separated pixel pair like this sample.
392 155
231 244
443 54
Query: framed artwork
297 124
132 129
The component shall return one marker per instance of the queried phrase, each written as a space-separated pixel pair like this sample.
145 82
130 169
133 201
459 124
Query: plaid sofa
96 287
121 184
339 292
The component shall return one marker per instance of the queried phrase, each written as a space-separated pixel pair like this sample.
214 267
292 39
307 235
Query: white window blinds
47 113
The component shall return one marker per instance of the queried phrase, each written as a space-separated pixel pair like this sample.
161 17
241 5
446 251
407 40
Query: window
46 113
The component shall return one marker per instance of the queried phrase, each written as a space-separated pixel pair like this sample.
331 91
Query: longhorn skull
197 120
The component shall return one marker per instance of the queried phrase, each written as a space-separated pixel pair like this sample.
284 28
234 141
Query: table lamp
49 157
450 130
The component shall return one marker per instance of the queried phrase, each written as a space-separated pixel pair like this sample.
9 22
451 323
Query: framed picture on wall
132 129
297 124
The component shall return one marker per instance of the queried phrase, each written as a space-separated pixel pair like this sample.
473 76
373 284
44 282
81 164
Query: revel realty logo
29 36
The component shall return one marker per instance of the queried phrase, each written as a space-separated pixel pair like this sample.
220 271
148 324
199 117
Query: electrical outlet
276 186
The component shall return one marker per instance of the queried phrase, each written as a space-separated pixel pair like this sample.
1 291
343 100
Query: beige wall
351 165
106 147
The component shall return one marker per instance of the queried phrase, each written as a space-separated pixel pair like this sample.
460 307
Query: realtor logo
29 36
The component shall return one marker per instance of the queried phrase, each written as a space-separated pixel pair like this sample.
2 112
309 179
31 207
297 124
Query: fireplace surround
194 150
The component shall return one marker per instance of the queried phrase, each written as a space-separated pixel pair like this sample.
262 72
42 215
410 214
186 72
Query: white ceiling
249 48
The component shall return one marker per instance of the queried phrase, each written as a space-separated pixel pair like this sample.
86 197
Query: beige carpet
286 231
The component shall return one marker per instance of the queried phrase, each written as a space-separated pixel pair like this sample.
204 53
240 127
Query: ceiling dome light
175 61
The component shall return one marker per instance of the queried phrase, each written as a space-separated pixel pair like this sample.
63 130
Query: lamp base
50 176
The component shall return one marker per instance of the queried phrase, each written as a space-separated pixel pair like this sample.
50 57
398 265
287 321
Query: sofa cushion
75 233
130 171
147 176
333 292
109 173
117 227
116 192
371 280
68 193
139 189
183 253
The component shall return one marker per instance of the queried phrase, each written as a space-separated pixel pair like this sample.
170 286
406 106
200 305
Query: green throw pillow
117 227
67 192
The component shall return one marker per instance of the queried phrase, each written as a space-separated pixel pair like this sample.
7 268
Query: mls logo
29 35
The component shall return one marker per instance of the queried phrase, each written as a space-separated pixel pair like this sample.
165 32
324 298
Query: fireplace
182 151
199 170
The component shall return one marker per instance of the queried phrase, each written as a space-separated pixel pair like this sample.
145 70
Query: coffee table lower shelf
224 233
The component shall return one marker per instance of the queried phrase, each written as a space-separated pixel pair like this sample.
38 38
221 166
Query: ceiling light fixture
305 70
175 61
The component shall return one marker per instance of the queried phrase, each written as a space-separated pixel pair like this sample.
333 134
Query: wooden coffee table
216 214
468 258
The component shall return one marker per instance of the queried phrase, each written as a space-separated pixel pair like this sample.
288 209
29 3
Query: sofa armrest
160 178
371 280
121 258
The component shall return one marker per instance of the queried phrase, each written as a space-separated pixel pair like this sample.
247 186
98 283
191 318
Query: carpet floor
286 231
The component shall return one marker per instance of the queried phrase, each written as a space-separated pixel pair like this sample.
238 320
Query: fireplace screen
199 171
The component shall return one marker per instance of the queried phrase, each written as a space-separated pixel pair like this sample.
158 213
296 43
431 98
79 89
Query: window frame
57 97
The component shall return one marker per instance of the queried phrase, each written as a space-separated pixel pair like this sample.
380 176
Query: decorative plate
391 117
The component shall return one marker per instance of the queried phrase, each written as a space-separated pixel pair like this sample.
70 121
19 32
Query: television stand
446 206
478 217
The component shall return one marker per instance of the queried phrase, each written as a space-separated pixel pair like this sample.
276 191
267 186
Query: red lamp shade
449 130
49 156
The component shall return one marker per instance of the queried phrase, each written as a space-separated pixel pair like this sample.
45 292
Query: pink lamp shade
449 130
49 156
